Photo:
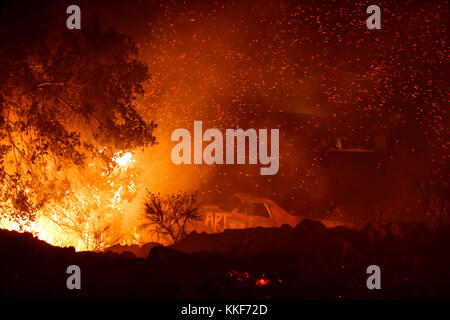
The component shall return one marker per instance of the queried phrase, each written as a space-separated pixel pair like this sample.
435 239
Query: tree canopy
66 98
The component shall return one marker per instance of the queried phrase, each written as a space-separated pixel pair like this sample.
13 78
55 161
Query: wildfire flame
89 216
123 160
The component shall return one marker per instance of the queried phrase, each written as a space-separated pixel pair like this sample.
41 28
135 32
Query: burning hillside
199 136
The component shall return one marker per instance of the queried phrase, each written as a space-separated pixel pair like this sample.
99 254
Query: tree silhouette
66 98
171 215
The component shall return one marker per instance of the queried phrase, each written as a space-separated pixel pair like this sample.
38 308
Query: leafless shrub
171 215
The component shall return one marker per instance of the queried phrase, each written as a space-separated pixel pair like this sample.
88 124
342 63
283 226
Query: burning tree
171 215
68 122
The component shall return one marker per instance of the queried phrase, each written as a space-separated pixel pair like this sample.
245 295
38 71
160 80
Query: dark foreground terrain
306 262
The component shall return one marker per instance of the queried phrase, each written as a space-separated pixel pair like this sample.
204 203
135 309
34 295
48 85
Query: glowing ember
245 277
262 282
240 276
